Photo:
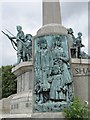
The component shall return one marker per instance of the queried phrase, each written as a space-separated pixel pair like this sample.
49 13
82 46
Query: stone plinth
22 68
5 105
81 75
52 29
34 115
24 73
22 101
48 115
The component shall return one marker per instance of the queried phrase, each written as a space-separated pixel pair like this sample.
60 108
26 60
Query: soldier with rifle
18 43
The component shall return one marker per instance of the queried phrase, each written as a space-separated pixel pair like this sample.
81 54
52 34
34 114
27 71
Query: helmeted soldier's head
19 28
70 31
28 36
79 34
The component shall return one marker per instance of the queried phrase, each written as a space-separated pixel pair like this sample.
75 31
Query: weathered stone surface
23 100
24 73
52 29
48 115
81 76
5 105
22 103
22 68
51 12
34 116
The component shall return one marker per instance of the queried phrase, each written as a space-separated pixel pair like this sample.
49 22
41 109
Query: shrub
77 110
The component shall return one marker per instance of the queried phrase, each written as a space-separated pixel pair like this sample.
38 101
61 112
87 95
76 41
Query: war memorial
51 68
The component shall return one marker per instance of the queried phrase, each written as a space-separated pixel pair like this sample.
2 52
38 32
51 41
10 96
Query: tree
8 82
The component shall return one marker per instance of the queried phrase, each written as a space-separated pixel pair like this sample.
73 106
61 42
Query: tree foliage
7 81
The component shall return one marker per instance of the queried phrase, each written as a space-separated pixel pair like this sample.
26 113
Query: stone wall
24 74
81 76
5 105
21 103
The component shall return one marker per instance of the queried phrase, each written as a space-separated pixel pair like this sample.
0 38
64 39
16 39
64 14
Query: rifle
10 38
16 37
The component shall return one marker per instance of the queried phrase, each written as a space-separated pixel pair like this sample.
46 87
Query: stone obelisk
51 12
51 18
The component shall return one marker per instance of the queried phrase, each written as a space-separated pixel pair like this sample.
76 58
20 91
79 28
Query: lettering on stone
82 71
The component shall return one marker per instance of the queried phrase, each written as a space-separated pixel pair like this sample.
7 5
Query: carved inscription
82 71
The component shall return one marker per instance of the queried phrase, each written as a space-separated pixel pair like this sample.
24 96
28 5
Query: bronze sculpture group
22 44
76 45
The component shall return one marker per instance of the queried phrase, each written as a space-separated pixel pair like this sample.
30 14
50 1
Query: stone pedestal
48 115
21 104
81 77
22 101
52 29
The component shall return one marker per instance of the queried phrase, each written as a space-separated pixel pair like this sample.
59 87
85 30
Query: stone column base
21 103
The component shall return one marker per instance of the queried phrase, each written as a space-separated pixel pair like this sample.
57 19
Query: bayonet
12 41
9 32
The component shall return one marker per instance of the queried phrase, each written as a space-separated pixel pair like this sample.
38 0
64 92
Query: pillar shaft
51 12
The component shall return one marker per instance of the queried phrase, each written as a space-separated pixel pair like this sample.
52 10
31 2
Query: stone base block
48 115
36 116
21 103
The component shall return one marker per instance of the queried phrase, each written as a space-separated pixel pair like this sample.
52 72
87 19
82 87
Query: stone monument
49 65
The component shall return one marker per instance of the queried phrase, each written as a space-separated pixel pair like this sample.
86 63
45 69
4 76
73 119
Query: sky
28 14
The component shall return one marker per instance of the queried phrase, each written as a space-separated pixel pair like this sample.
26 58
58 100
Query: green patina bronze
52 73
22 44
76 45
27 48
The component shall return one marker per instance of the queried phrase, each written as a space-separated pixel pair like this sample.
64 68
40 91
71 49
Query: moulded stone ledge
48 115
52 29
22 68
82 61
